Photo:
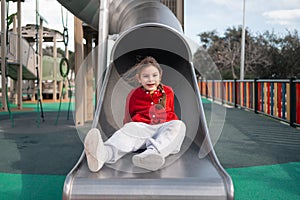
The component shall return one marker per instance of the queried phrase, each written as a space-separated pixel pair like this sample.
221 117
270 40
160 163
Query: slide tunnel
148 28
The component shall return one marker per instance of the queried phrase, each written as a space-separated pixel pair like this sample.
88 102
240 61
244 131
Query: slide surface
193 173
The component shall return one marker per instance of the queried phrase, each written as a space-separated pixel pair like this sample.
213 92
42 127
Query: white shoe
149 159
95 150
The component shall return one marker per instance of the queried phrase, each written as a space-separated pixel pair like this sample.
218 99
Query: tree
257 59
290 52
225 51
266 55
208 38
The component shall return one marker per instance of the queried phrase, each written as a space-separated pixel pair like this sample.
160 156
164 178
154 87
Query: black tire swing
61 65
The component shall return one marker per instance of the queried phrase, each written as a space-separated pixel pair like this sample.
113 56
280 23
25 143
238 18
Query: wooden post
13 83
79 78
3 54
40 57
54 69
180 11
89 105
20 47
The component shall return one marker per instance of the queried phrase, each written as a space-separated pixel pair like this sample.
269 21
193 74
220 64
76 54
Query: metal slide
149 28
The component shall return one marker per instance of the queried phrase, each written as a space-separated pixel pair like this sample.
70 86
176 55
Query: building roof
29 33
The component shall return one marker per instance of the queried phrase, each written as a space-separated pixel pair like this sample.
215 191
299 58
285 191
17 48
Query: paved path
250 139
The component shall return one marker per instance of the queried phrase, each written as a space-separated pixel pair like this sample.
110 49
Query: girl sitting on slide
150 123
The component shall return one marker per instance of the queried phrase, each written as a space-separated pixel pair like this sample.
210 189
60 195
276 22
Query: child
150 122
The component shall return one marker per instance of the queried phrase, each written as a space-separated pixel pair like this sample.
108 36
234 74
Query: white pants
166 138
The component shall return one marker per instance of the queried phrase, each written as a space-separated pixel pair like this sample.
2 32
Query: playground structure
142 28
50 65
25 69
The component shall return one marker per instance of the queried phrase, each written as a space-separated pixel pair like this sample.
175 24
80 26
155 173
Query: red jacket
141 106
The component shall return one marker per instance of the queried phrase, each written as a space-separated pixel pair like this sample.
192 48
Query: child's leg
169 138
150 159
131 137
95 150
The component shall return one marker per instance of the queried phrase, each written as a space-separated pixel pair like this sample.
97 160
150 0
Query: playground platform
260 153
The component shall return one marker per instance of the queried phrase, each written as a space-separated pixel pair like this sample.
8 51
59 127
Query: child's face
149 77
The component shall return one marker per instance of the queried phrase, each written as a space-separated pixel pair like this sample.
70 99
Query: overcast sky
200 15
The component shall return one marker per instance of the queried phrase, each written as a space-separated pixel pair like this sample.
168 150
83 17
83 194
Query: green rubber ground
251 183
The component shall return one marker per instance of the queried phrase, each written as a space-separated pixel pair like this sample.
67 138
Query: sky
200 16
260 16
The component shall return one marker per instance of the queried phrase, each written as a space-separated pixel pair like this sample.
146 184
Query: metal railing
279 99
